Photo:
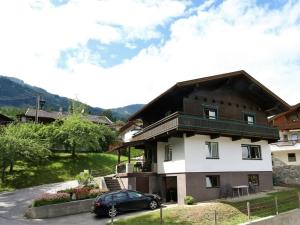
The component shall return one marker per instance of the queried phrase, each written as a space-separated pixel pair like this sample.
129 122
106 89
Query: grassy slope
227 213
61 167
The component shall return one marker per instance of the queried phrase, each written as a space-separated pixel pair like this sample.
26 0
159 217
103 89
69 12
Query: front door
171 189
142 184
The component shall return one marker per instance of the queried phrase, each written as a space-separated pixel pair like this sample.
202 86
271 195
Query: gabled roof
56 115
185 84
5 118
292 109
41 113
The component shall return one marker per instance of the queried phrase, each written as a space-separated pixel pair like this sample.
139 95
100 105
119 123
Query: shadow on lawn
60 167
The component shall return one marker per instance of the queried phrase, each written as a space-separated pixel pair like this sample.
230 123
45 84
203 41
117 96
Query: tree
21 142
77 132
108 113
106 137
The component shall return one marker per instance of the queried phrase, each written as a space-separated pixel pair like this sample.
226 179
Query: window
168 153
253 179
212 150
291 157
285 137
210 113
294 137
120 196
212 181
251 152
249 118
132 194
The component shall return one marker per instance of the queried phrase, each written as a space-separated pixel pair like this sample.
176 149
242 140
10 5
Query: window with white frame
212 150
294 137
168 152
251 152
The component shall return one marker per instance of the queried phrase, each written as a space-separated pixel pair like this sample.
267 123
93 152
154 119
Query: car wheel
153 205
112 212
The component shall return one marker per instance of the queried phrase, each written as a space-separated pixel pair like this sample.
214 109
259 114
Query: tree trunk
3 171
73 151
11 166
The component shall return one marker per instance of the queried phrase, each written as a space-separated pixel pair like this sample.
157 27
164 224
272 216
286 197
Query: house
49 117
4 119
286 151
204 134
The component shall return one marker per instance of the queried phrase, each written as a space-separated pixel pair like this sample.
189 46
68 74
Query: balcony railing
137 167
193 123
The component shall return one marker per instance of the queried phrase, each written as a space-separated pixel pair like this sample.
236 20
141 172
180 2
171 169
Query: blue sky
104 48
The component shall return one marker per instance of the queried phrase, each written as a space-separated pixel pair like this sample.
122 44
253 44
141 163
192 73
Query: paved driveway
13 205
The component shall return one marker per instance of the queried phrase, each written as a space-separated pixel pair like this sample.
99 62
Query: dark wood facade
233 96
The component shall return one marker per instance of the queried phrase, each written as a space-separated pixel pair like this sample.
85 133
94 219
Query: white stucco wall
177 164
189 155
283 157
128 135
230 155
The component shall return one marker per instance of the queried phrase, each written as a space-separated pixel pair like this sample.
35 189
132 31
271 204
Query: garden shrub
82 193
189 200
84 178
48 199
95 192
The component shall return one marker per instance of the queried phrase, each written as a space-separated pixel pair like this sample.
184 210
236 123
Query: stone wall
61 209
287 174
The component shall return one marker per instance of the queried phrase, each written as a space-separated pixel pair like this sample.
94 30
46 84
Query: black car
112 203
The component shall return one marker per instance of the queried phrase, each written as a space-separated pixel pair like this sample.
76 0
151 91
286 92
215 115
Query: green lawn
60 167
227 213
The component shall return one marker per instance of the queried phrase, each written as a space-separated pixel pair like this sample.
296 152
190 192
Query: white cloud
232 36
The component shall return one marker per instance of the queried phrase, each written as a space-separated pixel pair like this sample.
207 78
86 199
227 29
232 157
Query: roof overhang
278 104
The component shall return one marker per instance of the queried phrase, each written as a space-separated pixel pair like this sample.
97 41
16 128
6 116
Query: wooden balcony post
129 155
119 156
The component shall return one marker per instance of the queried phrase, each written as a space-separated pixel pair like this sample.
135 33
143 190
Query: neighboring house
286 152
129 129
4 119
204 134
49 117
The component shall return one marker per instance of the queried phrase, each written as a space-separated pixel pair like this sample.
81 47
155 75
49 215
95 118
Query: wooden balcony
194 124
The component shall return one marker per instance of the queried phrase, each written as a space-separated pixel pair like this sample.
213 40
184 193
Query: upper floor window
291 157
249 118
294 137
168 153
212 150
210 113
251 152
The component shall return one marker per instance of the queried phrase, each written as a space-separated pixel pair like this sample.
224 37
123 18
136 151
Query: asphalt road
13 205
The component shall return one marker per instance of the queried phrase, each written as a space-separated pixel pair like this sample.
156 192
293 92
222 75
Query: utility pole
37 108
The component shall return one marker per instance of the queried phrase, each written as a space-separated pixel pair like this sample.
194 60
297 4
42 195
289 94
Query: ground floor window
253 179
292 157
212 181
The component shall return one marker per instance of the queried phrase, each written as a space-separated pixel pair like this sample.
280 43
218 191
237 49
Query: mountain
16 93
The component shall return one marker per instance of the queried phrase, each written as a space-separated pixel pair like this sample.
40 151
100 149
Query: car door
120 200
137 200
